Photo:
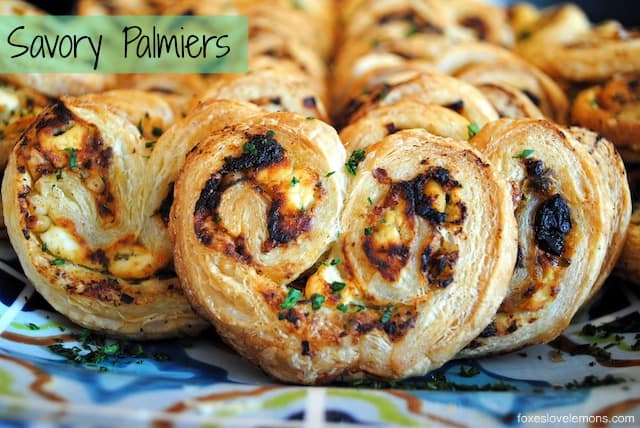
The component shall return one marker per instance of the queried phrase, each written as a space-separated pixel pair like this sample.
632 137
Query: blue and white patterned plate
589 374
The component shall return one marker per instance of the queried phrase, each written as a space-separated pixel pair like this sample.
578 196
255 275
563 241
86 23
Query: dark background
626 11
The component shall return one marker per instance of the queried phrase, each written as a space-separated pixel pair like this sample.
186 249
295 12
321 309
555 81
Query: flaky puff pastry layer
562 42
427 249
565 220
75 197
614 175
256 205
427 88
613 109
405 114
271 89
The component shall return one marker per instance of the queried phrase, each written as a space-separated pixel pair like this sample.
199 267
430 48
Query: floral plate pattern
591 373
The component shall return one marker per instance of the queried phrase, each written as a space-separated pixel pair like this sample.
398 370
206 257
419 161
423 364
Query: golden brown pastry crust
405 114
509 101
269 89
613 110
564 218
426 88
629 264
546 94
614 175
74 196
341 324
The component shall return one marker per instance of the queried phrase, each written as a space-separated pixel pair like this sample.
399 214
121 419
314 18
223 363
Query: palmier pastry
426 88
392 314
629 264
564 218
613 110
509 101
74 194
269 89
487 22
18 108
406 114
537 86
612 171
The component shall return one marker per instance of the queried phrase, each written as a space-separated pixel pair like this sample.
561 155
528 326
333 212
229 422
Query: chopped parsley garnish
294 181
73 157
368 230
412 30
336 286
525 154
292 298
250 148
335 262
316 301
470 371
473 130
59 174
330 173
386 316
369 200
33 326
303 209
271 134
57 262
360 308
352 164
156 132
592 380
342 307
44 247
310 118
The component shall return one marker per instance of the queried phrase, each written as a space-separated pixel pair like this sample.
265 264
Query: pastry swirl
403 313
613 110
75 205
564 219
426 88
405 114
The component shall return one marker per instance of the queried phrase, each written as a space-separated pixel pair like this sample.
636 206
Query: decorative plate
55 373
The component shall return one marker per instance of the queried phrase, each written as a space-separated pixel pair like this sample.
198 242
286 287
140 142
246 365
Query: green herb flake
73 157
470 371
473 130
330 173
335 261
369 200
360 308
310 118
161 356
292 298
59 174
412 31
250 148
342 307
352 164
386 316
150 144
294 181
368 230
156 131
336 286
524 154
57 262
111 349
316 301
271 134
33 326
44 247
